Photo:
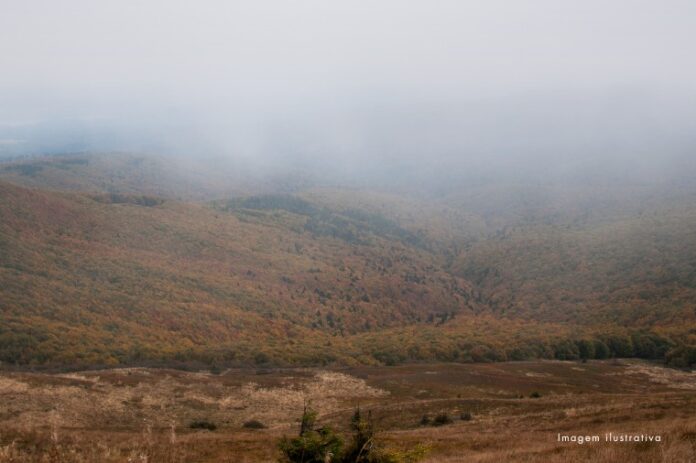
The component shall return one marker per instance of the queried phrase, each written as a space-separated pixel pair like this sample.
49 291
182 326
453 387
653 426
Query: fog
383 91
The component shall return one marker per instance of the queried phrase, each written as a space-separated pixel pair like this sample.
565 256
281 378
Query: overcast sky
346 78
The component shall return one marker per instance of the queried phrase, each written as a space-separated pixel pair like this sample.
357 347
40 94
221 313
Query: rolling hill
117 260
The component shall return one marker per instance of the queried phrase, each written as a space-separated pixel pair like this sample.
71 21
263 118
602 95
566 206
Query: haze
370 90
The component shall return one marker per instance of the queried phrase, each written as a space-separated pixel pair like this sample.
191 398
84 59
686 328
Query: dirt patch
670 377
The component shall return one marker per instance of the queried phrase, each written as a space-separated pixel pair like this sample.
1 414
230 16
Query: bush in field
465 416
442 419
362 443
535 395
202 424
312 445
425 420
321 445
253 424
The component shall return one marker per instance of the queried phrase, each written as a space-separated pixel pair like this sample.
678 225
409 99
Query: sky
351 82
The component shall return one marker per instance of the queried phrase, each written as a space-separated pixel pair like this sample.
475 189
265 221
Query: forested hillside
125 265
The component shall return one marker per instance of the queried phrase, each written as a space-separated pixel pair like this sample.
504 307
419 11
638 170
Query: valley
143 323
100 266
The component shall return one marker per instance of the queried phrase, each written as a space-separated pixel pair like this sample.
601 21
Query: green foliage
620 346
356 420
323 445
361 448
683 356
586 349
308 420
315 446
566 350
17 348
601 349
649 345
312 445
353 226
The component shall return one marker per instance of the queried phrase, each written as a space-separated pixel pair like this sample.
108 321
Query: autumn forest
123 259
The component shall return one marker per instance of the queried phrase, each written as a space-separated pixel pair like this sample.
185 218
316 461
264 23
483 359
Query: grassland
142 414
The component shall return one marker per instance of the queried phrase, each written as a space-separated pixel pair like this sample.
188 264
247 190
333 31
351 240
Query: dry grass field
144 415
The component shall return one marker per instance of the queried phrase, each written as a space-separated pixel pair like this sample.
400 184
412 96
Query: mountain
123 259
93 277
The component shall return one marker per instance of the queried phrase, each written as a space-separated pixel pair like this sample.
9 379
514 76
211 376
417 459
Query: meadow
512 411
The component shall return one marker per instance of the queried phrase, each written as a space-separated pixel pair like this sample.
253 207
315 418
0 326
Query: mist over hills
129 258
350 226
388 231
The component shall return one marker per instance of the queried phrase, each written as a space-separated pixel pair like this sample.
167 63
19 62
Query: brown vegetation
145 415
279 280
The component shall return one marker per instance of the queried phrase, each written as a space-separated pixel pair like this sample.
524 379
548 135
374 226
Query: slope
115 278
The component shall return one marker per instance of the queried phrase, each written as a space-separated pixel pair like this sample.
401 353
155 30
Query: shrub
315 446
535 395
442 419
202 424
253 424
322 445
425 420
466 416
361 447
312 445
261 358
